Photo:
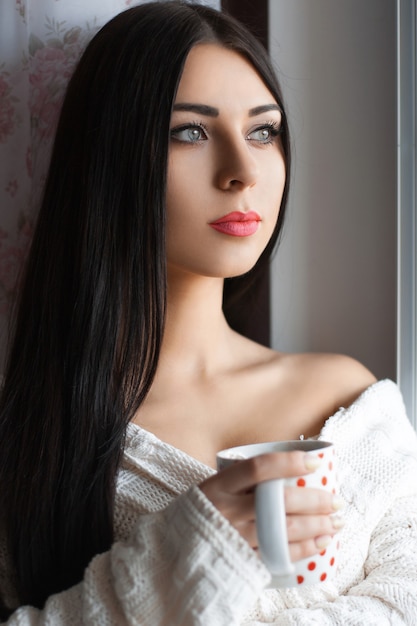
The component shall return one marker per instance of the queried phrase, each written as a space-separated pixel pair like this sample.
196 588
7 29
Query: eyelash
275 129
189 126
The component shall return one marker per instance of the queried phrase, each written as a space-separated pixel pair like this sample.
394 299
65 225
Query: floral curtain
40 41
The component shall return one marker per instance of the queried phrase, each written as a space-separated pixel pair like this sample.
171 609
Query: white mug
270 511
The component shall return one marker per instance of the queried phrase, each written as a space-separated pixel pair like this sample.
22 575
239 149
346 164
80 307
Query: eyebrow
264 108
205 109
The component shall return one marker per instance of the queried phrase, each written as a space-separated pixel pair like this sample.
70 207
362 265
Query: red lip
237 224
238 216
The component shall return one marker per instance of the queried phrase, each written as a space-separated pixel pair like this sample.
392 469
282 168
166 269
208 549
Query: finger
235 508
248 531
244 475
304 549
306 527
309 500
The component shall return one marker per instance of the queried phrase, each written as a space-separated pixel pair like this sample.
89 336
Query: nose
236 166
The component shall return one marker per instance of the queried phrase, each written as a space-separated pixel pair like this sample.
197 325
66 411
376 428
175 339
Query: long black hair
91 313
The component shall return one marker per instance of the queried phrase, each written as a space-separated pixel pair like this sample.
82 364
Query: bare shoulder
334 379
306 389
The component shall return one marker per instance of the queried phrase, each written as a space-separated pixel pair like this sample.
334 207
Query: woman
169 174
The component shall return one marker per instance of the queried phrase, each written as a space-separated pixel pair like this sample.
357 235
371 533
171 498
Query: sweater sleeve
387 596
185 565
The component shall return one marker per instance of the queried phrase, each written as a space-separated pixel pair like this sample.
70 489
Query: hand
310 512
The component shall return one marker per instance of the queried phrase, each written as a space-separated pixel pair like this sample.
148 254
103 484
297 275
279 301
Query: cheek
173 189
281 176
183 212
272 186
182 190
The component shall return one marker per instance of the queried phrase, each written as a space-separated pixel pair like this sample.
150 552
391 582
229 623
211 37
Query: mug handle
271 527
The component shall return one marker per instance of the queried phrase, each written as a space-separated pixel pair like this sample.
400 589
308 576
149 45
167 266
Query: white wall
407 205
334 277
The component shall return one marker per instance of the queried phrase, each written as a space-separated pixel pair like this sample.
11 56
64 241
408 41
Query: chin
235 272
220 266
240 269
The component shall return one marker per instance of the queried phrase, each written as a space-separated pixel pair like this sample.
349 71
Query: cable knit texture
177 561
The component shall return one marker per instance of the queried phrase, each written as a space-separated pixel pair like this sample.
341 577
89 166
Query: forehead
214 75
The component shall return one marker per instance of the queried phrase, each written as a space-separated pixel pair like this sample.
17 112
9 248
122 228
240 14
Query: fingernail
311 462
323 541
337 521
338 503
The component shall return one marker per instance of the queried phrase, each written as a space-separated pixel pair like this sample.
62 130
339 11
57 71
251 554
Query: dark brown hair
91 315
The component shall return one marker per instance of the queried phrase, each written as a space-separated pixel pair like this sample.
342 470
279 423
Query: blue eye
189 133
265 134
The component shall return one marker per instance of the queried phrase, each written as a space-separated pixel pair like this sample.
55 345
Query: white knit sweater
178 562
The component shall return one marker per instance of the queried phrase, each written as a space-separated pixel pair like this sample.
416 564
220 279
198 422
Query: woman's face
226 169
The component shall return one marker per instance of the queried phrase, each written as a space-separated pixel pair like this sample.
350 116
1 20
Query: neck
196 332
